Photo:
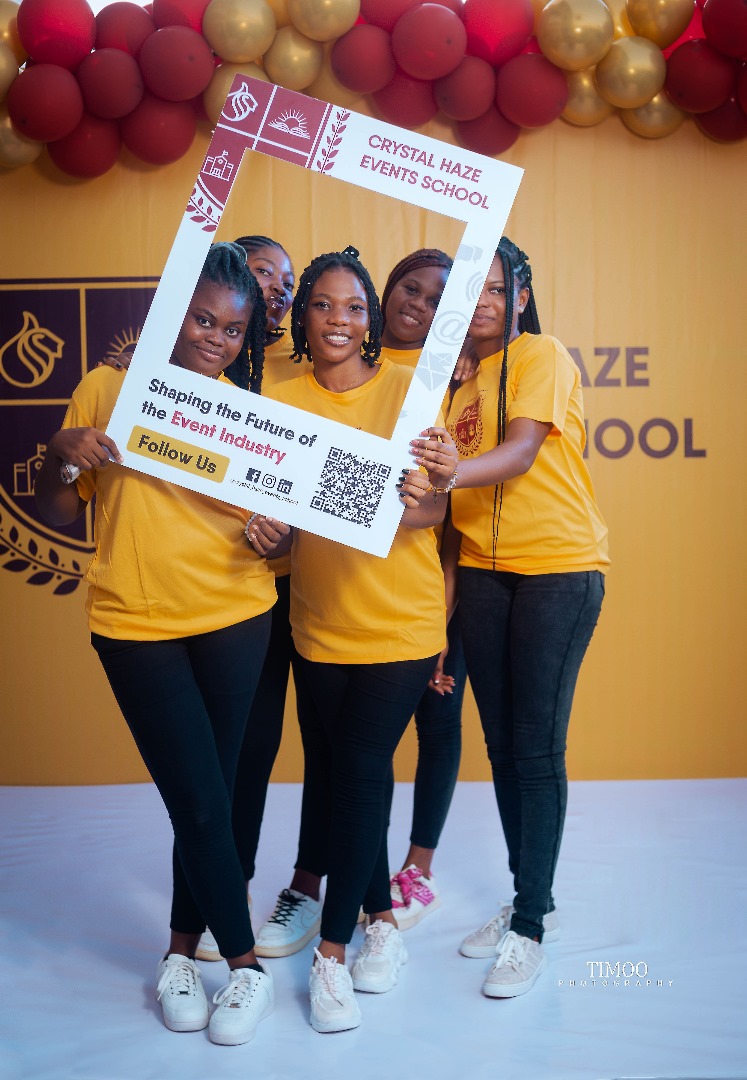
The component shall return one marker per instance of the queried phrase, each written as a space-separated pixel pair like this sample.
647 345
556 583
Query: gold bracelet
449 487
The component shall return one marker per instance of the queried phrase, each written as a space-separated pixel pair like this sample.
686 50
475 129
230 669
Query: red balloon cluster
706 67
471 60
126 76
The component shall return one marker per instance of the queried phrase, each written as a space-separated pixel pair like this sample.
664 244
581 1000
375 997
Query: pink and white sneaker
413 896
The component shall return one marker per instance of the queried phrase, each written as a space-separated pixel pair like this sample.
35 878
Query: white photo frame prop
268 457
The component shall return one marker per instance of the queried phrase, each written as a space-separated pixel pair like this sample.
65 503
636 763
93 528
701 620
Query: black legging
186 701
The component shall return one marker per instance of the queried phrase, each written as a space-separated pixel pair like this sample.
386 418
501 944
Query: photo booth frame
260 454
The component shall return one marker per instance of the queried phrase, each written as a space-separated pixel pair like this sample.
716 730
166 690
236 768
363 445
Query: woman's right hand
265 533
120 361
85 447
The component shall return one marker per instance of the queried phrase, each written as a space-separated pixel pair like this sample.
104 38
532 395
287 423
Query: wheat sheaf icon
36 349
293 122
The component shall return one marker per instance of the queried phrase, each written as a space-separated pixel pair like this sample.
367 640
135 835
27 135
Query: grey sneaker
247 998
333 1004
294 922
179 989
519 964
382 954
483 943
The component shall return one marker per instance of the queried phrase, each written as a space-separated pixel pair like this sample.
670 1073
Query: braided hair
418 260
516 272
226 265
333 260
252 244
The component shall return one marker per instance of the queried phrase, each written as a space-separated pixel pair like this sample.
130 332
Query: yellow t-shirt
348 607
406 357
278 366
549 520
168 562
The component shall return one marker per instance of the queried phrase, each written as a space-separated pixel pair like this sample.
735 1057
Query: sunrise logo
293 122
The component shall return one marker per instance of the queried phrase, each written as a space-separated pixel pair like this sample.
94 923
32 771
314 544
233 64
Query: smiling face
336 318
213 329
411 306
488 323
273 270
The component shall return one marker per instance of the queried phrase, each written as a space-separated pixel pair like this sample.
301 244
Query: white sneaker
519 964
413 896
294 922
484 942
333 1004
207 948
246 999
382 954
179 989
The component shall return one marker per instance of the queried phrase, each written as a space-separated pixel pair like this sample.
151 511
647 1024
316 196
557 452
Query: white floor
652 874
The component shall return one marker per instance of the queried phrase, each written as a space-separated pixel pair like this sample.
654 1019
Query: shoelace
234 994
501 920
512 951
287 904
179 976
326 968
377 936
404 882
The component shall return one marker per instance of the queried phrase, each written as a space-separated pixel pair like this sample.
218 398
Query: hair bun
353 252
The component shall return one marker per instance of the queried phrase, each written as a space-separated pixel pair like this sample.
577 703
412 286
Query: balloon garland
86 85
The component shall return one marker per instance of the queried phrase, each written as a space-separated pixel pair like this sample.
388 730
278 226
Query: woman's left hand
436 452
265 533
412 485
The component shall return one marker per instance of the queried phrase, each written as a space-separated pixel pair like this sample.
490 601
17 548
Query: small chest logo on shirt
467 428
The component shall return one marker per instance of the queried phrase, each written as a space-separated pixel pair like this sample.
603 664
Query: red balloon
123 26
468 91
489 134
363 59
56 31
727 123
384 13
405 101
498 29
725 26
457 6
45 102
177 63
180 13
532 46
699 79
159 132
693 32
111 83
429 41
90 150
742 88
530 91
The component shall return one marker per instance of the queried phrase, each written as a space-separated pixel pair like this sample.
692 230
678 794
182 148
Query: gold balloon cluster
281 41
611 51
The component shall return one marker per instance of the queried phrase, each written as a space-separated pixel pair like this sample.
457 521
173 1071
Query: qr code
350 487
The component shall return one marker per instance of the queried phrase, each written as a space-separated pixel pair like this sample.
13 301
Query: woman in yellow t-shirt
368 630
531 581
179 612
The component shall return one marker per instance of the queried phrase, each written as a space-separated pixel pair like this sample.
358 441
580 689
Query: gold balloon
538 5
585 107
9 29
8 70
15 149
293 60
324 20
654 120
661 21
574 34
280 10
632 72
619 12
239 30
215 95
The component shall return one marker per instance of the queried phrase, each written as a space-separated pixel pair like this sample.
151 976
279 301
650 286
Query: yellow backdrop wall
637 249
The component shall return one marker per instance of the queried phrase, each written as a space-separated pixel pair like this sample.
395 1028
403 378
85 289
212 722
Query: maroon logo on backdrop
257 116
51 333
